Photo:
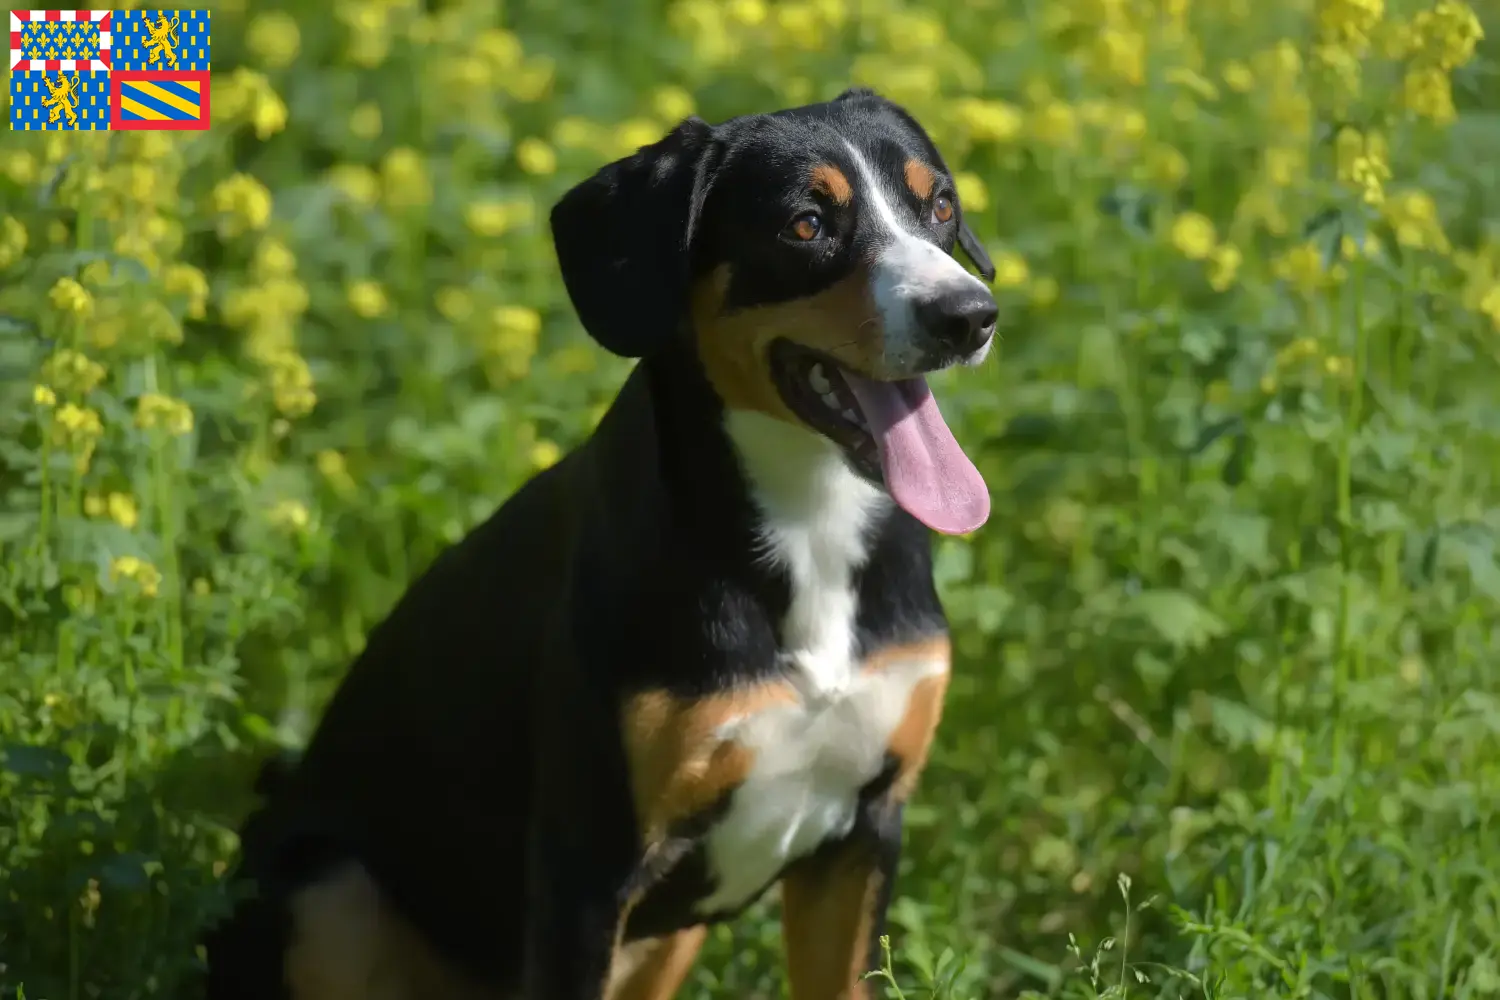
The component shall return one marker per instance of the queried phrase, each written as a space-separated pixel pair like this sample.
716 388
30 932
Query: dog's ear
623 238
974 250
855 93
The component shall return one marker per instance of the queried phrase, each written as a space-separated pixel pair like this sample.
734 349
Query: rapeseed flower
144 575
157 411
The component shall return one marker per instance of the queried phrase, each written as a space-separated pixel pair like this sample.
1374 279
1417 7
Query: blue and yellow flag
99 69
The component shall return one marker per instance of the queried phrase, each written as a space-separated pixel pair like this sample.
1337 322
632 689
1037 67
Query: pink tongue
926 471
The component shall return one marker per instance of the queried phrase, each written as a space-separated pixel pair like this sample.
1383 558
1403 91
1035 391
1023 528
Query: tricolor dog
702 656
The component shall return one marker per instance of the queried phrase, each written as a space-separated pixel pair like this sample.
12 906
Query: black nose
961 321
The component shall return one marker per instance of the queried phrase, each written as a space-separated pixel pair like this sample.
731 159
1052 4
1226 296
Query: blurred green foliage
1226 719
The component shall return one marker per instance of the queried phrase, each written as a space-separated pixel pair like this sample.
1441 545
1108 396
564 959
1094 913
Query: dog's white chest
810 759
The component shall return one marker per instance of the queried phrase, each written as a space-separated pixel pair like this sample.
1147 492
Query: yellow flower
73 372
1223 266
1489 305
142 573
972 193
68 296
43 396
633 133
122 509
334 468
990 121
1302 266
499 48
573 132
1044 291
77 428
454 304
405 179
93 505
289 515
1121 53
365 122
1362 164
545 454
671 104
154 410
1283 165
1350 22
1165 165
512 340
1238 77
359 183
19 166
291 383
1193 235
532 81
274 38
188 282
1055 124
12 241
367 299
1427 93
1011 270
1447 34
496 218
1413 216
242 202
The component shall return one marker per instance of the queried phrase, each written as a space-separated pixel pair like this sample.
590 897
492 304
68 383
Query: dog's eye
805 227
942 208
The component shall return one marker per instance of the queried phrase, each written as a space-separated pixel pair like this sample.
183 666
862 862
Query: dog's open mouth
891 432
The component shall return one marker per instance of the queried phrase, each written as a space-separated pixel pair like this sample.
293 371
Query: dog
702 655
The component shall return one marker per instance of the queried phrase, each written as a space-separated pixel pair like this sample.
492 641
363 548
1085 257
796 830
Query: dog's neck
808 519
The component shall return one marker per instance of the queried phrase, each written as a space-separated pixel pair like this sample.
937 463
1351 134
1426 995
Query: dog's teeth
830 400
819 381
853 417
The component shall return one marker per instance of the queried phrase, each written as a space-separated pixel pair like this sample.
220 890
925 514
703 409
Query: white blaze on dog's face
827 289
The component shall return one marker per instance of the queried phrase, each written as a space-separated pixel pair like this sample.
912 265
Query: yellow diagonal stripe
171 100
135 108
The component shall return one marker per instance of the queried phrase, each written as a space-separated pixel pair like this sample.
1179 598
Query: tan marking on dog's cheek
348 943
841 321
654 968
911 740
920 178
830 180
679 765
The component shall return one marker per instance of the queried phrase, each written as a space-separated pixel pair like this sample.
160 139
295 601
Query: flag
100 69
59 70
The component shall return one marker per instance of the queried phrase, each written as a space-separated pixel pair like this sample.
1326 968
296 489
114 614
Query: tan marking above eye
920 178
829 180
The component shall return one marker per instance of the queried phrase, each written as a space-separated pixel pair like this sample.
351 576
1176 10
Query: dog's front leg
833 909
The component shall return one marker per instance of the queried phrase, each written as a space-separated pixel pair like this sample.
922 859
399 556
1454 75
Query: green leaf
1178 618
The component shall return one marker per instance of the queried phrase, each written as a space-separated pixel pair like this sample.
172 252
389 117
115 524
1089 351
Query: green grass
1226 713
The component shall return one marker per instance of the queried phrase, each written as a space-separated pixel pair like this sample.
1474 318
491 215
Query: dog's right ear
623 238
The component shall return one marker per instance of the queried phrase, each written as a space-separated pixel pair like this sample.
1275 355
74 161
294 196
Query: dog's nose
960 320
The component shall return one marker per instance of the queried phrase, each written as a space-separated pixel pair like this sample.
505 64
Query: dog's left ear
623 238
974 250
